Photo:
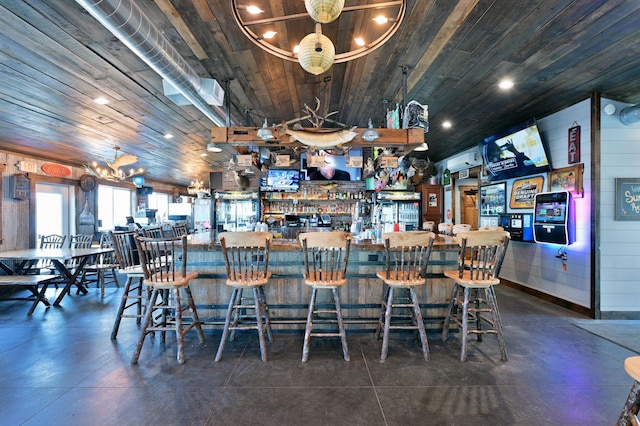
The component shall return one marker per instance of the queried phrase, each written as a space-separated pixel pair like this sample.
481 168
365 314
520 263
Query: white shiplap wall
619 240
536 265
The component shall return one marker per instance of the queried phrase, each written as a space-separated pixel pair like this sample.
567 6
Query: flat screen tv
551 208
335 167
285 180
516 152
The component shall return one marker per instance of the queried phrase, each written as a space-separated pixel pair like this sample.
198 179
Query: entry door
469 203
53 210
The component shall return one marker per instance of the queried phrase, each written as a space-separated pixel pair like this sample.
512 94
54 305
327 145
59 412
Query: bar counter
288 296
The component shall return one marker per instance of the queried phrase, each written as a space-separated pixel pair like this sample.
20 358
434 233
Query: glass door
54 211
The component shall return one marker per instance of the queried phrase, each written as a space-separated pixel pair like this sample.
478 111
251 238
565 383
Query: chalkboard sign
627 199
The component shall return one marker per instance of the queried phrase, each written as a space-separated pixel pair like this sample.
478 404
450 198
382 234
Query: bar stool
104 263
326 255
491 228
246 255
479 262
126 251
461 227
407 256
629 415
166 276
445 228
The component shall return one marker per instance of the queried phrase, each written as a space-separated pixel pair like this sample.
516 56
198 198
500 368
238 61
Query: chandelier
114 171
196 187
372 24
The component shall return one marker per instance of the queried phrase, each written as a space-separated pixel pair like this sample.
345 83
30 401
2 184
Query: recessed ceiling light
168 136
359 41
446 124
204 154
505 84
101 101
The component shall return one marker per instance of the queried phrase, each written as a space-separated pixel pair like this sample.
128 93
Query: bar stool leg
309 326
124 301
147 321
265 312
196 318
259 308
387 324
236 312
447 317
491 301
465 324
343 333
383 309
420 324
179 331
227 323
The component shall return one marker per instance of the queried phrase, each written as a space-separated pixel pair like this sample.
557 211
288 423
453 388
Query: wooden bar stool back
180 230
168 279
407 256
326 255
128 259
445 228
105 262
153 232
629 415
473 299
246 256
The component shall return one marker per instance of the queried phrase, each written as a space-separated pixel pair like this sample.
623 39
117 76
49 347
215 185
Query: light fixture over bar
254 29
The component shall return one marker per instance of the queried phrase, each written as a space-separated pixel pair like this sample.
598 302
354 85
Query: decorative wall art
523 192
567 179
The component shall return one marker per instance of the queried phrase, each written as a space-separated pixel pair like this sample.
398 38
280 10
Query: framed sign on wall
627 199
21 187
523 192
567 179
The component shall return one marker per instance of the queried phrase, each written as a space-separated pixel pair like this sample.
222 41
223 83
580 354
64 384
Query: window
114 205
160 202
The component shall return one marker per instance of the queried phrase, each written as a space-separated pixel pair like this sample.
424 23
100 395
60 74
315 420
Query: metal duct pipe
126 21
630 115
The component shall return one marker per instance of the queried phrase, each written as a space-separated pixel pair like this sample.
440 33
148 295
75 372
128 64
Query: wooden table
61 258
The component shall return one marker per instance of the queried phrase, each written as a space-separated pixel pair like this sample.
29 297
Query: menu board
627 199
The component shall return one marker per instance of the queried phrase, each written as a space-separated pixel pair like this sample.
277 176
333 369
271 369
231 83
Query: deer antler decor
116 173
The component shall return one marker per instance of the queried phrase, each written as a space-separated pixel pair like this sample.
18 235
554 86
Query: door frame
35 179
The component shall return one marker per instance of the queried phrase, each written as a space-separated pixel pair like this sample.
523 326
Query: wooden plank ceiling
55 58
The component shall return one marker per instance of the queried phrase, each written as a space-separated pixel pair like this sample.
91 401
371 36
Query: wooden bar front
288 296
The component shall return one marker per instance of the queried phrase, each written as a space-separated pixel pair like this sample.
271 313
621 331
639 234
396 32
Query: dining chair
46 242
473 305
445 228
326 256
104 263
153 232
180 229
168 279
461 227
246 256
407 259
133 296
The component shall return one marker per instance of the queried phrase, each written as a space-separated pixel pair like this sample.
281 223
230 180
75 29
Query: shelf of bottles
310 200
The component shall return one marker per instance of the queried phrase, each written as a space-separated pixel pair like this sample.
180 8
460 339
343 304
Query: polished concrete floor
59 367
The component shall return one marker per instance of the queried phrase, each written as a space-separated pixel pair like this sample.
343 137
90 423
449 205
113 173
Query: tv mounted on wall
518 151
280 181
335 169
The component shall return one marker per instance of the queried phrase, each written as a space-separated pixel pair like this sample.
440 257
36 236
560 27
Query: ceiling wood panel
55 58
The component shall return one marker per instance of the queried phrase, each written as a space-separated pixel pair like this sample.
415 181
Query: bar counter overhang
288 296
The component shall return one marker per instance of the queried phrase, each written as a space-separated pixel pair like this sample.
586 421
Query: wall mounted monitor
334 168
518 151
285 180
